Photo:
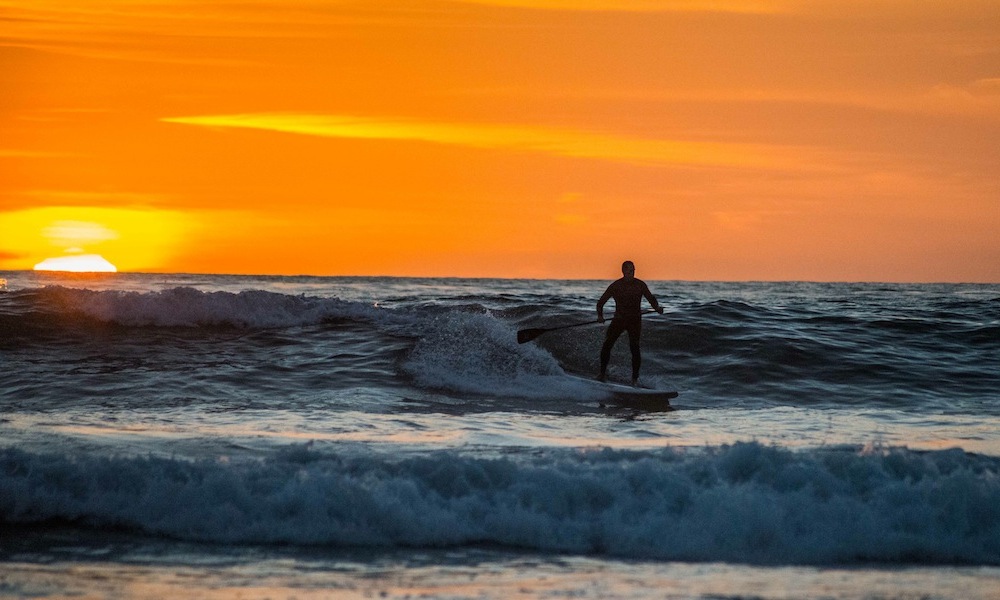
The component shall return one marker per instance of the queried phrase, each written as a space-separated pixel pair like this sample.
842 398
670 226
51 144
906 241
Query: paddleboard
627 396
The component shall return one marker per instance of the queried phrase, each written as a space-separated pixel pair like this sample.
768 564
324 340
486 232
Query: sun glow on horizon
91 239
78 263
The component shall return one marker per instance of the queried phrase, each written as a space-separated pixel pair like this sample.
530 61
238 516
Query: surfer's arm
652 299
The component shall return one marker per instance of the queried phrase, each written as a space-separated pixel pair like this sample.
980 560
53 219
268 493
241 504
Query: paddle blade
526 335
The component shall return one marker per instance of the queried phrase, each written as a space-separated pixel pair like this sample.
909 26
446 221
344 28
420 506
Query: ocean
209 436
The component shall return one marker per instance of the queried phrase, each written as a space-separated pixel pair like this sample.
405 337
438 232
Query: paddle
526 335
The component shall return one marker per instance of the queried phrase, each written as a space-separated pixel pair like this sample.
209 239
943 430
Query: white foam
741 503
476 353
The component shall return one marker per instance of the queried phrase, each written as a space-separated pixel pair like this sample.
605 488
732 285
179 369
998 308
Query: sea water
205 436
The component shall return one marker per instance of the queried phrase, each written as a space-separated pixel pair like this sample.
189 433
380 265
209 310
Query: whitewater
211 436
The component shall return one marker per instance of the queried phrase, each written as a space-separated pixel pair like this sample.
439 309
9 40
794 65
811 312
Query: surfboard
639 398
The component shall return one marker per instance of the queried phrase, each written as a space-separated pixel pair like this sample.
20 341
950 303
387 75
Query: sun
92 239
78 263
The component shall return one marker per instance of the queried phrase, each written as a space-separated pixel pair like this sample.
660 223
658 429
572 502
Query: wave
466 343
743 503
186 307
462 349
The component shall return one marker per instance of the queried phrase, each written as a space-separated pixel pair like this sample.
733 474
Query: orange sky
703 139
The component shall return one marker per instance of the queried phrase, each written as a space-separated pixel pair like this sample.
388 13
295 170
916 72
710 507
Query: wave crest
741 503
189 307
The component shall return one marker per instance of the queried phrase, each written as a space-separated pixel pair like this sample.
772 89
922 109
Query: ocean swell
741 503
188 307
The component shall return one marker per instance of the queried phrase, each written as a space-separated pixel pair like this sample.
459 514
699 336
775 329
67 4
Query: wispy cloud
139 30
736 6
23 199
15 153
520 138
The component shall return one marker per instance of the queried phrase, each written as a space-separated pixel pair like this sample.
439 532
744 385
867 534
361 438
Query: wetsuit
628 293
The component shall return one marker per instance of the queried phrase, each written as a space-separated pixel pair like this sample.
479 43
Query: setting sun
93 239
80 263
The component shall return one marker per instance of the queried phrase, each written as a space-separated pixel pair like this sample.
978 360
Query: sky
819 140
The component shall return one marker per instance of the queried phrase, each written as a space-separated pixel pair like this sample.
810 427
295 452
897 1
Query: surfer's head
628 269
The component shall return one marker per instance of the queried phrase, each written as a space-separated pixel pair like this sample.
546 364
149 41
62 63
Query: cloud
67 233
17 200
979 98
552 141
736 6
15 153
135 30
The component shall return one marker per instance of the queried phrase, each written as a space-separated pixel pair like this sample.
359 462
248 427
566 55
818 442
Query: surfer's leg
634 332
614 330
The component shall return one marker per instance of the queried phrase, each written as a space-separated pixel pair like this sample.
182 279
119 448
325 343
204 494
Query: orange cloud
545 140
736 6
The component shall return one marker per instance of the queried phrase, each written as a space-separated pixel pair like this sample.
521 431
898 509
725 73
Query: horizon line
495 278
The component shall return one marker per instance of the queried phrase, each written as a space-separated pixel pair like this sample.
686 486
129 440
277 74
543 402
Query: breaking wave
188 307
741 503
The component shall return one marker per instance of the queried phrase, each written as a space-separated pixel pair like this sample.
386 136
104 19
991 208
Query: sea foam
741 503
478 354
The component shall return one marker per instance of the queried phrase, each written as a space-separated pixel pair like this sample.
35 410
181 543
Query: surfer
628 293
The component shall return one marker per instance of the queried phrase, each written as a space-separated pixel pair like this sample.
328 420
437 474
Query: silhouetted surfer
628 293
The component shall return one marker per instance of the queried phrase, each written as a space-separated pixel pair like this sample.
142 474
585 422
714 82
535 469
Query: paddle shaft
526 335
